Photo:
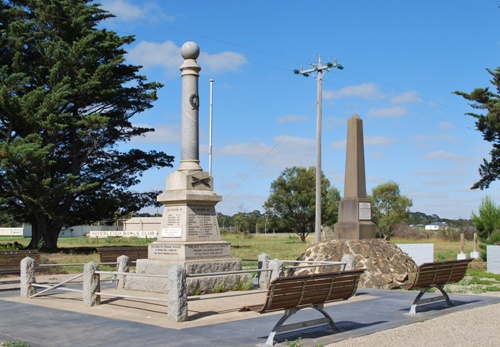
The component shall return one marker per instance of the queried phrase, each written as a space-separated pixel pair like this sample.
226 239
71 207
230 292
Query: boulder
386 265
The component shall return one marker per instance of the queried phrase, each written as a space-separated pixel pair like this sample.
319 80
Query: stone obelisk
355 217
190 233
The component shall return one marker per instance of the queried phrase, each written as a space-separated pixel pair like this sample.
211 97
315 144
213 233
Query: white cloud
286 151
446 125
365 91
377 155
220 62
387 112
162 134
434 138
338 144
167 55
126 11
440 155
291 118
378 141
450 172
407 97
149 54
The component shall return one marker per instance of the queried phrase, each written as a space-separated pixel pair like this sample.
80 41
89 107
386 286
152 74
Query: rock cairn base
386 265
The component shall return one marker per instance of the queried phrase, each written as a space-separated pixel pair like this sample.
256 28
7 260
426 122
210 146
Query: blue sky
402 61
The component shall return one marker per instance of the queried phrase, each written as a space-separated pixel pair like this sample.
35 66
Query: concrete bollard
122 266
277 268
177 294
27 277
263 264
91 285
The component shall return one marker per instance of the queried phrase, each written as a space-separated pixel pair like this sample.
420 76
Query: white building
435 226
143 224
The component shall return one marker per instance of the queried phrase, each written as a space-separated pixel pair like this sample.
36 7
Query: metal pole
319 69
317 230
210 130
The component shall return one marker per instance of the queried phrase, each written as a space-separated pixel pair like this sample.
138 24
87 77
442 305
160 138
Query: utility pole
319 68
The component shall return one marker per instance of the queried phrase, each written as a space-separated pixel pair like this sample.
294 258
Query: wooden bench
437 275
110 254
294 293
10 261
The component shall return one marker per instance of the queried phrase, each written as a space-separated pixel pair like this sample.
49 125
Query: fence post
277 266
177 310
263 276
91 285
123 266
27 277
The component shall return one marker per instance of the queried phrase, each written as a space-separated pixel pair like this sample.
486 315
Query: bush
449 234
403 231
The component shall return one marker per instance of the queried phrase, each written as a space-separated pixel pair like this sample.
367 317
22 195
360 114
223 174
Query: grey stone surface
350 261
264 276
177 294
190 108
277 268
27 277
91 284
198 285
123 266
493 259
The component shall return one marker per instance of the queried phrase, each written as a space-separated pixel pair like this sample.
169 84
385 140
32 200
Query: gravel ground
474 327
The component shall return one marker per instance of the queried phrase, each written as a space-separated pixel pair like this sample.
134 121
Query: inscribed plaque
365 211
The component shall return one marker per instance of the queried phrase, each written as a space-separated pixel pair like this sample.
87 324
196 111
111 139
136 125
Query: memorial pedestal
354 220
189 236
195 285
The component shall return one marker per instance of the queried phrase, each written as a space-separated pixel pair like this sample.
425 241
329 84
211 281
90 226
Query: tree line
290 206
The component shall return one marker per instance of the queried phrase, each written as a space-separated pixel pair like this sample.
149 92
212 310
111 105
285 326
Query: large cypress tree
66 99
488 123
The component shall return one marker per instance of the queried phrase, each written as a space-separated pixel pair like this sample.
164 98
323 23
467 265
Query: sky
402 62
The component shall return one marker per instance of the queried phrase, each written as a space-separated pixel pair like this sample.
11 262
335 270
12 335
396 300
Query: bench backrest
300 291
109 254
11 260
440 273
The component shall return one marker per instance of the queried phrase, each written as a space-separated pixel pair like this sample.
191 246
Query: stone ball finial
190 50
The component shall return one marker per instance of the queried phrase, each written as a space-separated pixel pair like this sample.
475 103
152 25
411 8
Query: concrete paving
60 319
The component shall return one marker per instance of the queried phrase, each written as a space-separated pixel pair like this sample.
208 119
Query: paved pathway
61 320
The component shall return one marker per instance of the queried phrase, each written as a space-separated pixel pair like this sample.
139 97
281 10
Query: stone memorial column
189 235
355 217
190 108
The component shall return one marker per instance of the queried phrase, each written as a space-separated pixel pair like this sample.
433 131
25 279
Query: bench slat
432 274
307 290
110 254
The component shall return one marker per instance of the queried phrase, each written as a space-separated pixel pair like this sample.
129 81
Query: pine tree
66 100
489 125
